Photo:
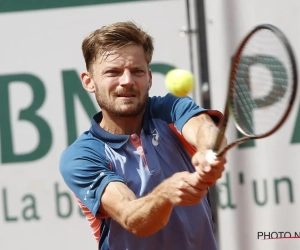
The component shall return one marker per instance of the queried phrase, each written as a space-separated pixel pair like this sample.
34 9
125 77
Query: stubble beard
127 109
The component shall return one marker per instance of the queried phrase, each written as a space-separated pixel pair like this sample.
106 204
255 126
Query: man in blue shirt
140 172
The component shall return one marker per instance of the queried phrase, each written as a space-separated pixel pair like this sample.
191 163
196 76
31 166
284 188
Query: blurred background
43 108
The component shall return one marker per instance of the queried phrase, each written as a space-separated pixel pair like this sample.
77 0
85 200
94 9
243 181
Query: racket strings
246 104
262 85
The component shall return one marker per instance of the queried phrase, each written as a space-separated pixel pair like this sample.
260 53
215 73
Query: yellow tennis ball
179 82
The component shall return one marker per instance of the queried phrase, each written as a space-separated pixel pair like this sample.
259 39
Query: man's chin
129 111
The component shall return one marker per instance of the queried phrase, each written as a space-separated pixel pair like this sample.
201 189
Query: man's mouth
126 95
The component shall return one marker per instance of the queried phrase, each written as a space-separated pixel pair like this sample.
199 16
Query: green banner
21 5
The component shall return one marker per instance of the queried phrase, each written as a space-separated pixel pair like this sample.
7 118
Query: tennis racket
262 86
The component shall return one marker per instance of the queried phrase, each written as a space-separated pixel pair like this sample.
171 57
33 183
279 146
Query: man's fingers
218 161
209 174
186 189
191 200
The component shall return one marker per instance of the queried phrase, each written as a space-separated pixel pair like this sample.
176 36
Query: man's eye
112 72
138 72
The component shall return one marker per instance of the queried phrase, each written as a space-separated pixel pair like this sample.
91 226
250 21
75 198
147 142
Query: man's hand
201 132
208 170
136 214
184 188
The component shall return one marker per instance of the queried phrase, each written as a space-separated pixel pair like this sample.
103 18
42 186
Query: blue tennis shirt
142 162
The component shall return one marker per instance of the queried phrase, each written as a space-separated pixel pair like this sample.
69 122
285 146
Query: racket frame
230 93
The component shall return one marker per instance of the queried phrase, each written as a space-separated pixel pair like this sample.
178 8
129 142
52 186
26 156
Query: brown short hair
113 37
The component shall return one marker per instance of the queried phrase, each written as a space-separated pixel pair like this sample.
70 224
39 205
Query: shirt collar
113 140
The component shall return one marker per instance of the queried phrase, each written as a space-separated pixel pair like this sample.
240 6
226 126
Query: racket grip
211 156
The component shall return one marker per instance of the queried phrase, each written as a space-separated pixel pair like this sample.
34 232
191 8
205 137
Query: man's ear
87 82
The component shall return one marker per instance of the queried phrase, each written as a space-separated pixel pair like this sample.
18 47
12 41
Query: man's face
121 82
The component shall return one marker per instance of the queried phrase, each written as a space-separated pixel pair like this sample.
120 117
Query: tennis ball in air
179 82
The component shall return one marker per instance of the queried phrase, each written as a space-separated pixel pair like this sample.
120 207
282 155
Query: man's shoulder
85 145
163 99
169 101
86 150
85 140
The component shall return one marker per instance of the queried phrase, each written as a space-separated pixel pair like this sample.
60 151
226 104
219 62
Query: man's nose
127 78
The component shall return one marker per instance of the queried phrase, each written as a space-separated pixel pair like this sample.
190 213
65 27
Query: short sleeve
178 110
87 171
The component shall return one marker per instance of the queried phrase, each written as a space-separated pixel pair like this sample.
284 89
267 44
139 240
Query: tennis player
140 173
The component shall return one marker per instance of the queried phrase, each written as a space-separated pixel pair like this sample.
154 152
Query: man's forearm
141 216
201 132
147 215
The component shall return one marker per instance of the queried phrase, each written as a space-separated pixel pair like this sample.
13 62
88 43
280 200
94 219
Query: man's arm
201 132
146 215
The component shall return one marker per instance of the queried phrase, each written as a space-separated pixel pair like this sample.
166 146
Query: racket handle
222 153
211 156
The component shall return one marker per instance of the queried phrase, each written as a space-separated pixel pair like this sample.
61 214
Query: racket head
262 85
263 82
